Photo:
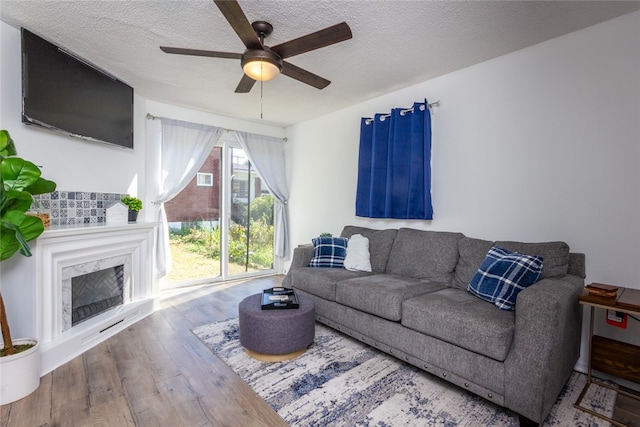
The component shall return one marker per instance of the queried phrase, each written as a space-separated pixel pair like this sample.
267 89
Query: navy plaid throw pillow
329 252
503 274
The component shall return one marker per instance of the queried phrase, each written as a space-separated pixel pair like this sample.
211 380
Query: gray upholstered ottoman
276 335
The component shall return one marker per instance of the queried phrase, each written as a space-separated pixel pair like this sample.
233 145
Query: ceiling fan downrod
263 29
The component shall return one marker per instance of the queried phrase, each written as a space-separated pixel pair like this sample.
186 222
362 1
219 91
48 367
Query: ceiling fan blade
328 36
239 22
304 76
198 52
245 85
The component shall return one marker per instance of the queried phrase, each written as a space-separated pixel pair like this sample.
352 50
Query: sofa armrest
577 265
301 257
546 345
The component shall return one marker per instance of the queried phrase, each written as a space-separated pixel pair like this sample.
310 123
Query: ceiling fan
260 62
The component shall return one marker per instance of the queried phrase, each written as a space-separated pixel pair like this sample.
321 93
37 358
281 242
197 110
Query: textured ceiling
395 44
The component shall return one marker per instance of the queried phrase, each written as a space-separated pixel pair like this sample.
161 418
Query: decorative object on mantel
134 204
117 213
20 358
44 217
75 207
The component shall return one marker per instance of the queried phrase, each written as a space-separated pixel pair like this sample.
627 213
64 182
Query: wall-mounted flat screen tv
64 93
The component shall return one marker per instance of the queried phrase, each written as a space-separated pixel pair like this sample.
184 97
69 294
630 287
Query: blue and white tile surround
75 207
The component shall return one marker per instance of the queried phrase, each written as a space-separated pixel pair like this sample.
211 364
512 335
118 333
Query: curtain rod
403 112
152 117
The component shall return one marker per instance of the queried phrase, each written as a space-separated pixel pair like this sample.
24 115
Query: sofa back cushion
472 253
421 254
380 242
555 255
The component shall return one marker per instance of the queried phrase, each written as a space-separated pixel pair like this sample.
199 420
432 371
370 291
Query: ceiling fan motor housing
264 54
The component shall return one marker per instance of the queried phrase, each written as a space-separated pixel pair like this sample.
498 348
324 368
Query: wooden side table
616 358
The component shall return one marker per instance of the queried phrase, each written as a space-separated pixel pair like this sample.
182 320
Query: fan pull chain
261 81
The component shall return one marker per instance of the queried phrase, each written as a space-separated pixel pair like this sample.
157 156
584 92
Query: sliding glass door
221 224
251 218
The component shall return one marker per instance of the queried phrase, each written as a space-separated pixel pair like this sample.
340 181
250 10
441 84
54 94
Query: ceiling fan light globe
261 70
261 64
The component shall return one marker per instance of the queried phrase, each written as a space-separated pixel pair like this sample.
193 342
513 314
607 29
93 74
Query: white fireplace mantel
32 287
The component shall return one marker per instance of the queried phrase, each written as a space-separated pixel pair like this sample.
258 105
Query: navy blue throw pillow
503 274
329 252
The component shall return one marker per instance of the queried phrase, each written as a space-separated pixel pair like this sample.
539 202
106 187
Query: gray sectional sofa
414 305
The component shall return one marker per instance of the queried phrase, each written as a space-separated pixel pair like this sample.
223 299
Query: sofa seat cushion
458 317
321 282
430 255
382 295
380 242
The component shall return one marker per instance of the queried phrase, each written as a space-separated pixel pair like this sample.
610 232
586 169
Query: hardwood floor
627 411
157 373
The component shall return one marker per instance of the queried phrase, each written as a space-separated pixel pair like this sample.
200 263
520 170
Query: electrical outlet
617 318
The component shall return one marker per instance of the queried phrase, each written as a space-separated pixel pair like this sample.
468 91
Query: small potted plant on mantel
19 181
134 204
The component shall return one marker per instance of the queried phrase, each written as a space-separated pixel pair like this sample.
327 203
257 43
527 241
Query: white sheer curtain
267 154
185 147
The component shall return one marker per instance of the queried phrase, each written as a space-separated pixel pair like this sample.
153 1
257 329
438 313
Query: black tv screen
62 92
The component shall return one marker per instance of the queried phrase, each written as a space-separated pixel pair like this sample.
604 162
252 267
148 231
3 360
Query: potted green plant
134 204
20 180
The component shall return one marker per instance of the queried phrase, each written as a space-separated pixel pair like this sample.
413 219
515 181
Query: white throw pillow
358 258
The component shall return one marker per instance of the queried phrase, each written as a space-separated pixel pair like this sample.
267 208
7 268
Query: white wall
541 144
74 164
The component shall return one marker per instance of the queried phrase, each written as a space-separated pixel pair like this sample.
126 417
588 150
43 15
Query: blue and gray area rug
342 382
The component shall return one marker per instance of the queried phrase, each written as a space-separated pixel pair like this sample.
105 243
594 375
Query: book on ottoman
279 298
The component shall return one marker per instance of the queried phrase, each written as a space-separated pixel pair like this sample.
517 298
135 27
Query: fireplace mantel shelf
73 229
